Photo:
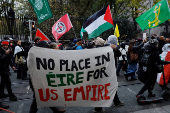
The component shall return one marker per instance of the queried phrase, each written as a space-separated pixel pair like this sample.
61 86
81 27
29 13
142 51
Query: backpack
145 61
123 55
133 56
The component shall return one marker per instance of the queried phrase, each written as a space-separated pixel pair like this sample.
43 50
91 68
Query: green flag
158 14
42 9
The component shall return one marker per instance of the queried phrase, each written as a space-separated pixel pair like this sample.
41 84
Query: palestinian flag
98 23
166 57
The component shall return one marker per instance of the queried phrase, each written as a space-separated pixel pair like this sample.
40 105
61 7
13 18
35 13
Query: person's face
5 46
157 45
11 43
37 41
19 43
80 42
167 39
56 47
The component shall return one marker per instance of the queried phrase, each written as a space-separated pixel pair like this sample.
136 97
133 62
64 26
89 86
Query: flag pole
151 4
74 33
57 36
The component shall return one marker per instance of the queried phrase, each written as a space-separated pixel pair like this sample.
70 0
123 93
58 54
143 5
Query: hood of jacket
166 48
149 48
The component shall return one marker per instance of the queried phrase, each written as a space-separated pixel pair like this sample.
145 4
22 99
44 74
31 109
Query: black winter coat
5 61
161 44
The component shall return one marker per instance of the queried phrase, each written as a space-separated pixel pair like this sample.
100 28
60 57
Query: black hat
42 44
79 39
6 38
127 40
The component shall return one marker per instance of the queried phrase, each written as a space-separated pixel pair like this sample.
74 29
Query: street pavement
126 92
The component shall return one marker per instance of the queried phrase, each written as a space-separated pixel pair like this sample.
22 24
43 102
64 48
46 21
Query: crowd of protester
128 57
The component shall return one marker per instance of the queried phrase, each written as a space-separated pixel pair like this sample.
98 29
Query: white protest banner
84 78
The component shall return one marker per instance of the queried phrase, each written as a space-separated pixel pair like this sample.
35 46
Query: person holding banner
36 40
71 44
79 44
33 108
60 46
53 46
112 41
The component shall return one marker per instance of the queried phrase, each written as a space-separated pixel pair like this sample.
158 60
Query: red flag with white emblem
40 34
62 26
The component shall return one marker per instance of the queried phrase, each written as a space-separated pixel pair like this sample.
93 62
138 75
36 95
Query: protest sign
84 78
144 36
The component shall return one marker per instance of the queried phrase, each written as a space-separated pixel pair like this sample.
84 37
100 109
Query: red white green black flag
98 23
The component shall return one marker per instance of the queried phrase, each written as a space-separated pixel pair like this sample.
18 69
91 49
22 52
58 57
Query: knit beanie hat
99 41
75 41
153 42
5 42
112 39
